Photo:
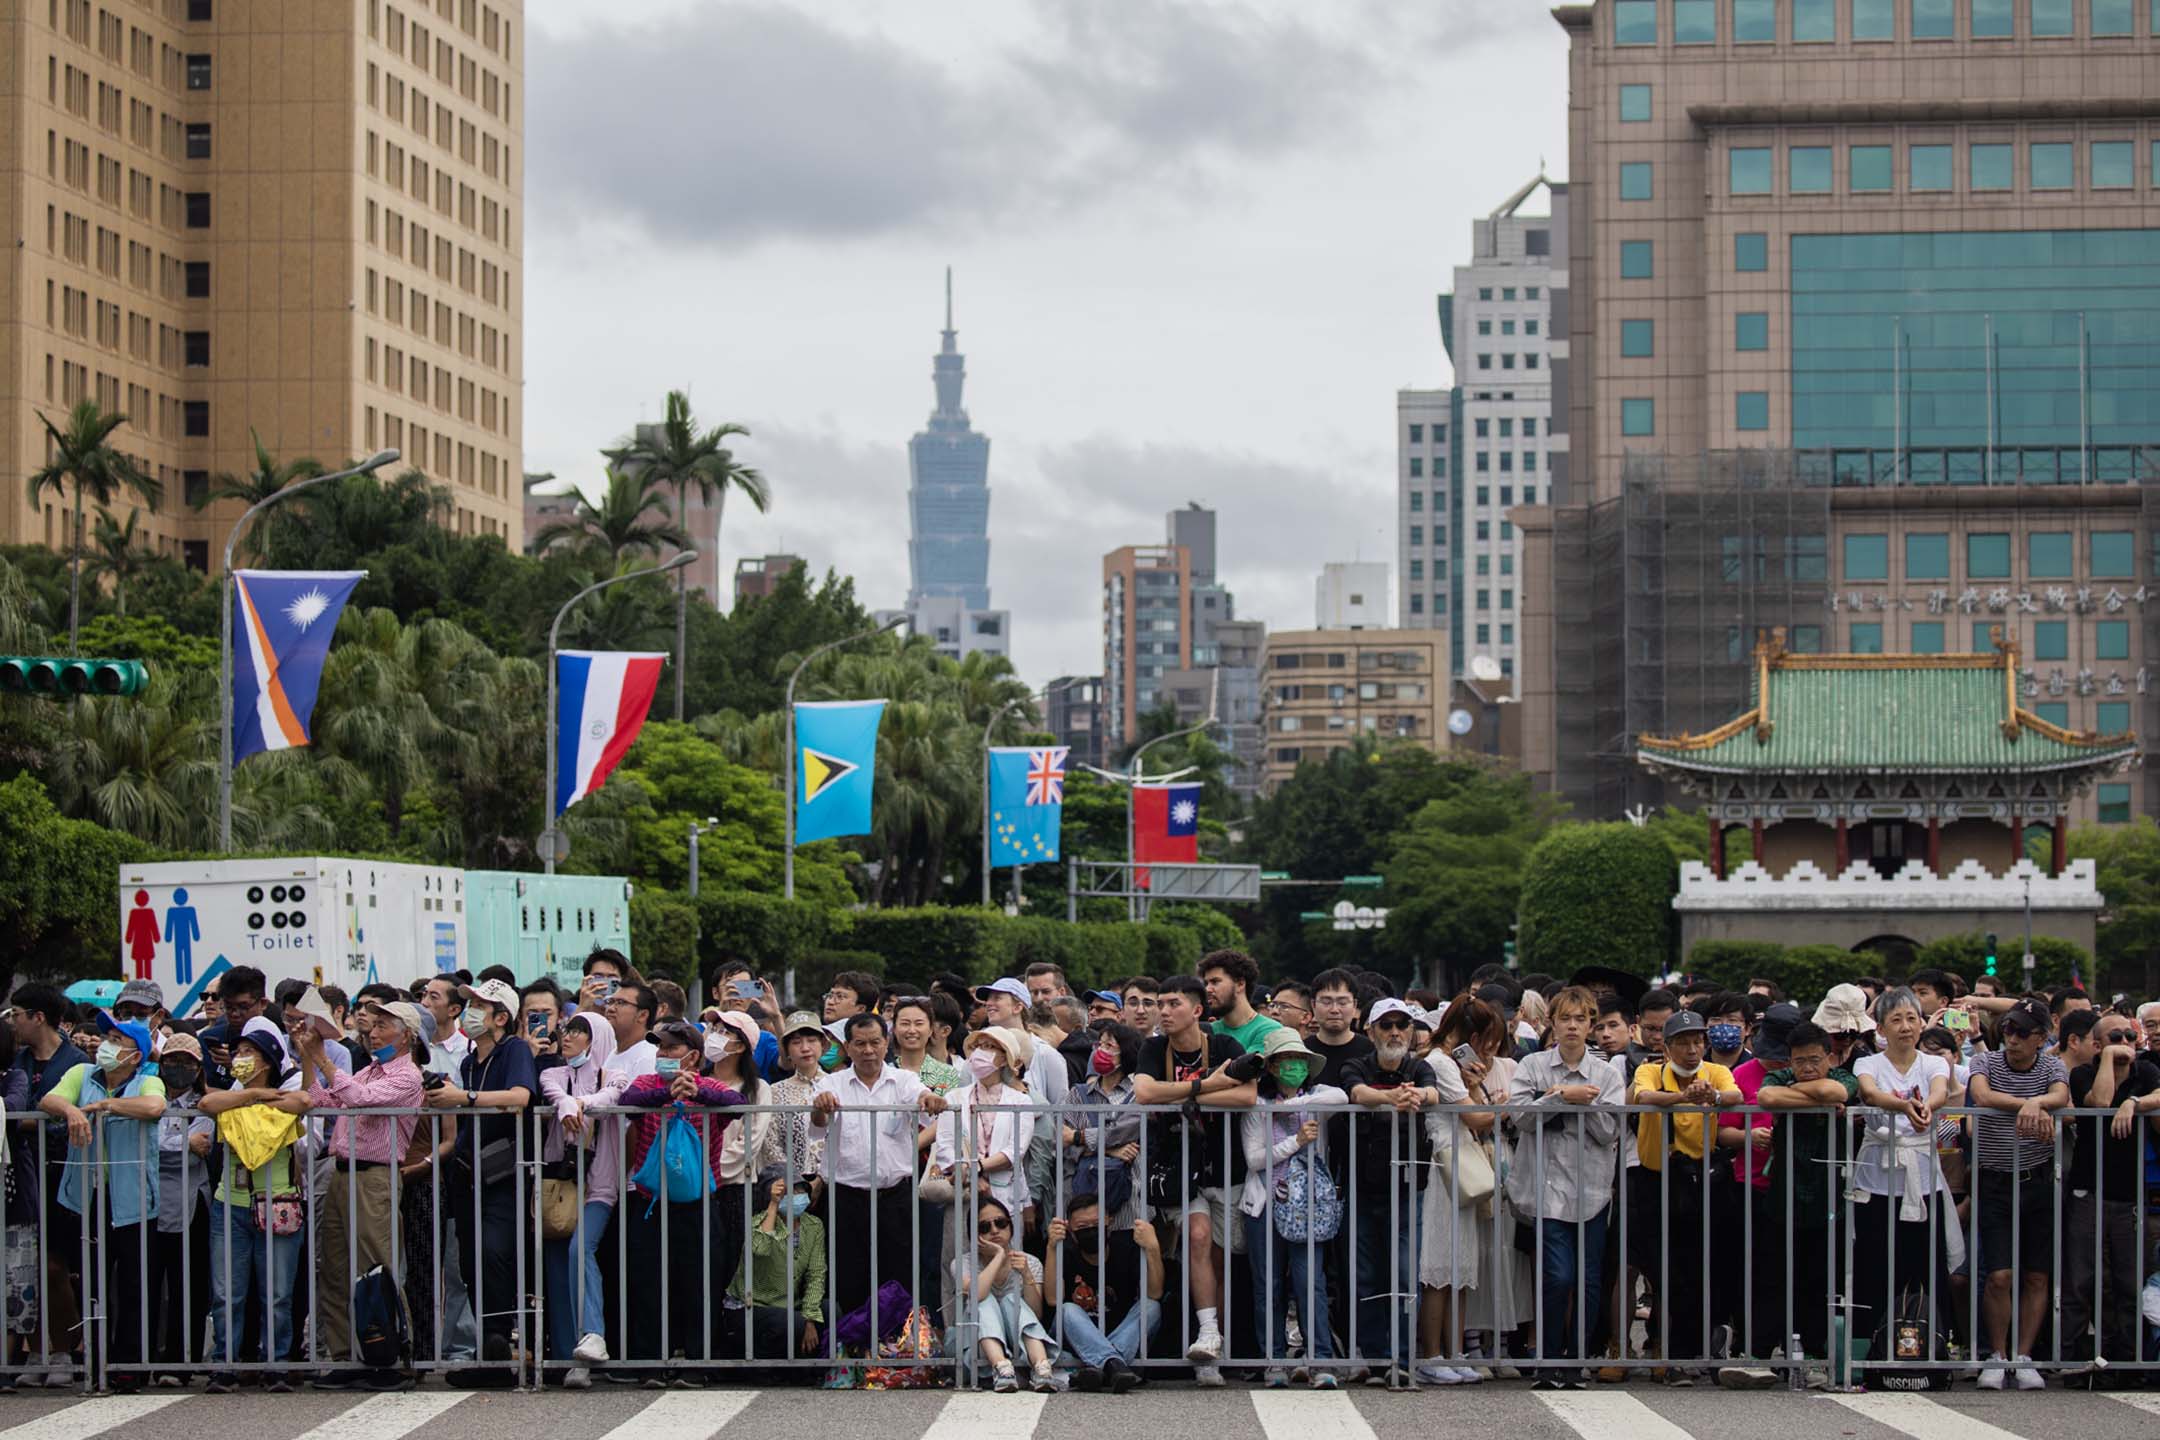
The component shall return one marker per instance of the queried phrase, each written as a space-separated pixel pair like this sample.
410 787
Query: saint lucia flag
282 624
1027 804
601 697
835 767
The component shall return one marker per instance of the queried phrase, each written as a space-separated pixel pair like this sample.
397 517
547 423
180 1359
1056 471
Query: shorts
2033 1220
1229 1226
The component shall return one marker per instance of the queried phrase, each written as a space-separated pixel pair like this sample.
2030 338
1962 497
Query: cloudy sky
1196 245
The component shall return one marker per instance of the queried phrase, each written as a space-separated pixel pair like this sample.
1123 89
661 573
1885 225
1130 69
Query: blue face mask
794 1205
1725 1038
830 1058
577 1062
666 1069
384 1054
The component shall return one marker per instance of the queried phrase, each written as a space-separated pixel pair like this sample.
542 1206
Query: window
2114 804
1751 330
1638 417
1871 168
1530 292
1417 501
1484 428
1694 22
1484 292
1991 19
1750 169
1507 292
1484 362
2055 712
1934 19
1634 104
196 349
2052 18
1983 636
1930 165
198 210
1815 20
2053 166
1927 555
1754 22
1927 637
1750 251
2111 640
195 488
1751 410
1993 167
1867 637
2111 17
1635 22
2051 640
1529 327
1417 468
198 142
1417 434
198 12
1873 20
1507 327
1484 327
1808 170
1635 180
1987 557
1867 557
2112 165
198 72
196 280
195 418
2048 555
1807 639
2112 554
1638 338
1507 599
1636 261
2112 717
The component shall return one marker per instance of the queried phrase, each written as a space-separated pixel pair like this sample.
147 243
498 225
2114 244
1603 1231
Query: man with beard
1393 1155
1230 976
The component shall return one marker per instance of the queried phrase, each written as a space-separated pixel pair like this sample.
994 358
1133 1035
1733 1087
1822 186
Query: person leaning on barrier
1672 1147
982 1138
2018 1088
751 1145
1393 1161
111 1107
257 1225
179 1297
1102 1133
1899 1198
1802 1149
577 1305
1279 1144
1108 1285
43 1056
353 1229
2103 1187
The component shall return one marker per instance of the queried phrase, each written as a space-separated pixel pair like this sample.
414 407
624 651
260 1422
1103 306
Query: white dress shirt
854 1141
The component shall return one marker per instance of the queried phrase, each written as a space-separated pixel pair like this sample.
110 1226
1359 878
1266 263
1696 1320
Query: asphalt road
1499 1409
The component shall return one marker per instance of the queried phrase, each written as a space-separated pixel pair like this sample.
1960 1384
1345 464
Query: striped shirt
1995 1135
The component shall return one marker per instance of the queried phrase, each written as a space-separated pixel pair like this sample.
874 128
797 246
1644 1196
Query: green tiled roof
1877 714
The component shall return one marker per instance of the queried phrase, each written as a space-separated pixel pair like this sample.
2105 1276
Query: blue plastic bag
675 1165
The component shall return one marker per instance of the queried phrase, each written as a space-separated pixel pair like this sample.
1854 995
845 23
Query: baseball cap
141 992
2029 1017
494 992
1108 997
799 1021
135 1030
1006 986
1389 1005
1684 1022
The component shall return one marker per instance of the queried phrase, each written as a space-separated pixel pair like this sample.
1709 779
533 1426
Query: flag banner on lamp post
601 697
283 621
1027 803
835 767
1166 826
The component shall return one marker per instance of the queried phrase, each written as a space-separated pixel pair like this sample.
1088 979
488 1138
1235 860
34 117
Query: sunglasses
992 1226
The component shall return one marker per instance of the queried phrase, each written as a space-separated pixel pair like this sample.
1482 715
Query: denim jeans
1289 1281
1084 1338
1557 1274
1374 1285
242 1261
567 1317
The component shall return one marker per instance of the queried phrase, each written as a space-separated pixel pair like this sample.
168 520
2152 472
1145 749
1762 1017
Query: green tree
85 457
1598 894
1453 874
58 916
2127 859
267 478
116 553
745 666
629 520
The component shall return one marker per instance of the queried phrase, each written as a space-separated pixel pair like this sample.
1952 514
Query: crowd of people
1325 1183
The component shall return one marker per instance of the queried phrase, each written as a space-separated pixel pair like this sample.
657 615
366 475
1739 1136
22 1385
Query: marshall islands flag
282 624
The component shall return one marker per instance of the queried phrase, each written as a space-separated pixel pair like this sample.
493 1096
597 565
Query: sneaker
1120 1377
2027 1377
1432 1372
225 1385
577 1377
1088 1380
169 1381
1206 1347
1992 1377
1467 1376
1208 1377
1043 1380
1300 1375
1278 1379
277 1385
1325 1380
1006 1383
591 1348
1680 1379
1542 1383
1745 1377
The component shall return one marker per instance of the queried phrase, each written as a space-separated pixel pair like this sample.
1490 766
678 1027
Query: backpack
1904 1337
378 1320
1109 1181
674 1166
1307 1202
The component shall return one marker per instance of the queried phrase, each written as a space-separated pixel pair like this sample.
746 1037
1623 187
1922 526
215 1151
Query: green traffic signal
1991 952
45 675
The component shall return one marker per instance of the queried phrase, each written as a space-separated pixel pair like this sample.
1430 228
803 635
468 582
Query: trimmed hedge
1803 972
1597 894
1966 955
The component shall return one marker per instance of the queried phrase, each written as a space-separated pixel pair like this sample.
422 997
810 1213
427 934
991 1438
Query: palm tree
83 455
676 453
629 520
115 553
266 479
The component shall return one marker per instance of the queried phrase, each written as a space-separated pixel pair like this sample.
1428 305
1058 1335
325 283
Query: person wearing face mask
1671 1175
1101 1134
983 1138
1276 1138
353 1214
111 1108
577 1303
180 1244
498 1077
787 1273
256 1235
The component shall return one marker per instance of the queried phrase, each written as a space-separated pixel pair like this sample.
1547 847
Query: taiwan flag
1166 826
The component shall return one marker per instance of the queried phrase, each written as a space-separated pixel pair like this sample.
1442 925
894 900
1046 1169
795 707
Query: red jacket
651 1091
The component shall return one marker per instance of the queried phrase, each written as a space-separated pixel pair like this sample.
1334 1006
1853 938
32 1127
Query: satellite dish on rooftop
1459 722
1484 667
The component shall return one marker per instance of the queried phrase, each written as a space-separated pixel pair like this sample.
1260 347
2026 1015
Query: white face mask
1685 1072
473 1022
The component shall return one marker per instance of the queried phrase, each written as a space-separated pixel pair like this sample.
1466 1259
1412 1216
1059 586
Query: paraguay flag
601 697
282 623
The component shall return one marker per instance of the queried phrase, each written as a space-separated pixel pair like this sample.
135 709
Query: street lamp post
1133 784
1006 709
225 642
788 862
550 845
697 923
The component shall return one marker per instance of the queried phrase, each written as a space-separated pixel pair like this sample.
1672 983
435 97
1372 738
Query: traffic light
1990 953
49 675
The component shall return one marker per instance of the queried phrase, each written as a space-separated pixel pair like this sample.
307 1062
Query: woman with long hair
1451 1242
1004 1284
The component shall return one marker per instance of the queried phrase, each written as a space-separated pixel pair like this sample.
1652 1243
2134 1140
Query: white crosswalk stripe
90 1417
1605 1414
684 1415
1310 1415
973 1415
1922 1418
386 1417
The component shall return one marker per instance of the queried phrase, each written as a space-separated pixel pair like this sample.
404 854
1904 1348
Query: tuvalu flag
282 624
835 767
1027 803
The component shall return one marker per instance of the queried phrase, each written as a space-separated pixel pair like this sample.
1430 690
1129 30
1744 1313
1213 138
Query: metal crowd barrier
1731 1241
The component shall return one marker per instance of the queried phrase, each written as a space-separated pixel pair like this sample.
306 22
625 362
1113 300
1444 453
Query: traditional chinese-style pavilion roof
1885 714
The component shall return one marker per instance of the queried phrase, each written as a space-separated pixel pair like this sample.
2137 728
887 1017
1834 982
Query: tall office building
303 217
1424 431
1073 712
1147 632
1328 688
1866 311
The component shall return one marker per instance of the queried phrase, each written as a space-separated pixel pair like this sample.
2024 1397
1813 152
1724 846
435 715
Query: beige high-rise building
300 216
1320 690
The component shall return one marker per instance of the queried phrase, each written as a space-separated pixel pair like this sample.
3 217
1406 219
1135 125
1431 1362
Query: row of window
1439 434
1507 362
1507 327
2049 555
1507 292
1755 22
449 460
2050 642
1991 166
1638 338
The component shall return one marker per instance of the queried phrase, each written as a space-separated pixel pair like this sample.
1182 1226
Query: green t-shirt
71 1085
1248 1035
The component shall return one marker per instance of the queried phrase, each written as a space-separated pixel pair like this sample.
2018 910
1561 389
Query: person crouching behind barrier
1006 1287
